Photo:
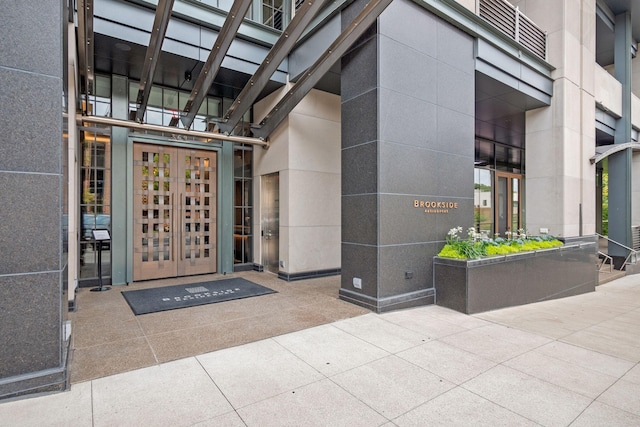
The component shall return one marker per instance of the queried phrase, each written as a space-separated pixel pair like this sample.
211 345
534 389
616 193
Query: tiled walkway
109 339
566 362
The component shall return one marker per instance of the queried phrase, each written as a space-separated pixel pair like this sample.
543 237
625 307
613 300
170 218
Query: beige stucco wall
305 150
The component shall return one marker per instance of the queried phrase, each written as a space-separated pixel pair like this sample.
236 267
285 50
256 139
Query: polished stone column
32 266
407 136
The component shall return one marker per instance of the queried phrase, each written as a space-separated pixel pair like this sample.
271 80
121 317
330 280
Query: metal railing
633 254
509 20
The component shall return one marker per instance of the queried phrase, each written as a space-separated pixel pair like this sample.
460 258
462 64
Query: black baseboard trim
94 282
243 267
258 267
291 277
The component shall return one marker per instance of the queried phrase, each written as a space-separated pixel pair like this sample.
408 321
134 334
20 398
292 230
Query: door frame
224 151
496 200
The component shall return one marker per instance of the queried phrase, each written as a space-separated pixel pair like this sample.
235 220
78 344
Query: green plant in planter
477 245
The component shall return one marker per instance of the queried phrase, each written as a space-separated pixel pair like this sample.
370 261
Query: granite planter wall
474 286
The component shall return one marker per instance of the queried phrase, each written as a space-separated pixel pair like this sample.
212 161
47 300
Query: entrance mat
146 301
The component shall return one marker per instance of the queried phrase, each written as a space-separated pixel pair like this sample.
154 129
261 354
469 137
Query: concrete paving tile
578 379
373 329
322 403
446 361
633 375
110 358
392 386
632 317
599 339
624 395
68 408
256 371
496 342
230 419
603 363
542 321
461 407
534 399
329 349
171 394
599 414
423 323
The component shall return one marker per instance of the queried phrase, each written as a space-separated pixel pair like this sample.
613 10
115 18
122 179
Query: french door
508 194
174 211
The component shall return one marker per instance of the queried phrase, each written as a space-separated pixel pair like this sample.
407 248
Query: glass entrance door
508 213
174 212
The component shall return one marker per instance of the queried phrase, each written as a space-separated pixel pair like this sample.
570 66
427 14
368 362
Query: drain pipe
108 121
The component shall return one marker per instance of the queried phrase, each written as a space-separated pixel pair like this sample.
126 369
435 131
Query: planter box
474 286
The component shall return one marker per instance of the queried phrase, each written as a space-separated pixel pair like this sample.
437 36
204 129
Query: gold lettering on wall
435 206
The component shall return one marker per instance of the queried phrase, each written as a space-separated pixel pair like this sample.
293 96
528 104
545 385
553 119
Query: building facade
305 140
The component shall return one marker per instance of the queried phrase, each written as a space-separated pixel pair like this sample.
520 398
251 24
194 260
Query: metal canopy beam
212 65
613 148
312 76
145 127
158 31
274 58
85 45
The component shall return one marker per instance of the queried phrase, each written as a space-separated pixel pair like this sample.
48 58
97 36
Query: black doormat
146 301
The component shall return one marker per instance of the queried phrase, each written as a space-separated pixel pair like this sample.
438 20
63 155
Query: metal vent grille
508 19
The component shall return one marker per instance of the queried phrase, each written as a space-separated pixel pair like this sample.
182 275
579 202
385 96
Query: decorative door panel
174 212
197 212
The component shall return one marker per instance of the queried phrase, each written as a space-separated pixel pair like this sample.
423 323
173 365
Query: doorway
508 212
270 221
174 211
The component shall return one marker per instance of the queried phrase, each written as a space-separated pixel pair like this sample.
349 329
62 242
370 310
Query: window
243 205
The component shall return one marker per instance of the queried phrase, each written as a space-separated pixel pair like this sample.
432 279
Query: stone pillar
560 180
33 353
620 163
407 138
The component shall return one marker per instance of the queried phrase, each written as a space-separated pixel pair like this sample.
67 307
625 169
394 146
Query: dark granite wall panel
30 319
361 261
31 111
455 48
360 169
357 63
31 37
31 188
407 23
30 226
402 259
418 70
393 126
360 119
360 213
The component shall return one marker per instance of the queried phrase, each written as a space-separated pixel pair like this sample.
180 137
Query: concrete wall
408 134
31 188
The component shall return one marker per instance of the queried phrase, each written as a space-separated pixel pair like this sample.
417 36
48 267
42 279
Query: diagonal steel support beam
160 23
314 73
212 65
85 44
274 58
